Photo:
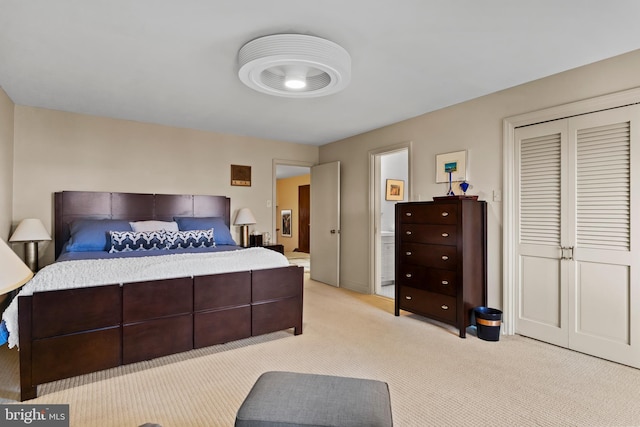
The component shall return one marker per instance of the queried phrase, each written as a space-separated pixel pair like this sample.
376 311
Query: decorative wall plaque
241 175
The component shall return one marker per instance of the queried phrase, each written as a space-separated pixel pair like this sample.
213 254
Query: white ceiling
174 62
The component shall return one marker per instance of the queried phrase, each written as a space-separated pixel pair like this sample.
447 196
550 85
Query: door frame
509 232
274 187
374 201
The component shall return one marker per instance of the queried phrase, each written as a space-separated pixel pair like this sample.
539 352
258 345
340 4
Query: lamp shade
245 217
30 230
15 273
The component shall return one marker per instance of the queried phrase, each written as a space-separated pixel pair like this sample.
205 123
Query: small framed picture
241 175
454 163
395 189
286 222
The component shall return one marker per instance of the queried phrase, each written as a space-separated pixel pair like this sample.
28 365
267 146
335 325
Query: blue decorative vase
464 186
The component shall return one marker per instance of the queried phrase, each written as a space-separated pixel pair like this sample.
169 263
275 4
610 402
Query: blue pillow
4 333
93 234
221 233
189 239
127 241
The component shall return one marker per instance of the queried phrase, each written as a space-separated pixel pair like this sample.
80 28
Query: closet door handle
567 252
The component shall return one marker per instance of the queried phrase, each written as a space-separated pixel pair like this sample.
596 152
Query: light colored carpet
435 377
299 258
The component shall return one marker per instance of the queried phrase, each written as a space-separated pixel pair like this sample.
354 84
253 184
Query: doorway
587 248
289 178
388 166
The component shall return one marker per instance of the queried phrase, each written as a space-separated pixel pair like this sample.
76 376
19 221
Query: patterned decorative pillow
189 239
126 241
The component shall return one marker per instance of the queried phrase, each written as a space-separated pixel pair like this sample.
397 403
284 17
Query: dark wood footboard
276 300
72 332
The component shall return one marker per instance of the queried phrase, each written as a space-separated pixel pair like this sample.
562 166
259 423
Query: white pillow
154 225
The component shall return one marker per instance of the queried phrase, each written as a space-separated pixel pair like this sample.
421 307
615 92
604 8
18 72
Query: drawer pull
445 283
409 275
408 214
444 257
408 233
445 234
407 297
445 307
408 253
445 214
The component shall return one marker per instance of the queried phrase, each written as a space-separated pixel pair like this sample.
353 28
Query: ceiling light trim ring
263 63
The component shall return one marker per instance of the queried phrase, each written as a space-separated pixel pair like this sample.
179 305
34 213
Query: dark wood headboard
72 205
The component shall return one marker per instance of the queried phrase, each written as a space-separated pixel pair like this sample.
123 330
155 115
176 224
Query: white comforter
96 272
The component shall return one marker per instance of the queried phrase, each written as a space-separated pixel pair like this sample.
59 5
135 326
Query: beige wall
57 151
476 126
6 164
287 194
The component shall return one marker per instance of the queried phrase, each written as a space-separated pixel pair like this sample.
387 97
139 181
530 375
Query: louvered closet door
605 293
542 288
578 281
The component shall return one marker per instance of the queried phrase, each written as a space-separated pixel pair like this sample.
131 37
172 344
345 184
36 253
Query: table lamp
244 219
30 231
14 272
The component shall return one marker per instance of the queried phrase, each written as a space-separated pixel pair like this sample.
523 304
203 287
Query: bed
69 332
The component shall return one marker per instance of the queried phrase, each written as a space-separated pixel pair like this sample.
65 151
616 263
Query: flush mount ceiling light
294 65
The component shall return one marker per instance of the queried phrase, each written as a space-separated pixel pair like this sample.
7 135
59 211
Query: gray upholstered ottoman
280 399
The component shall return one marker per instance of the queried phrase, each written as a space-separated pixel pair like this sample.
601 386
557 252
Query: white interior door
604 296
542 285
325 223
578 247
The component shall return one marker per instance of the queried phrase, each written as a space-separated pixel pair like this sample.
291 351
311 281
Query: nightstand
277 248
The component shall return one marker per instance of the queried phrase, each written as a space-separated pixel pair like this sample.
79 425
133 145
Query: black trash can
488 321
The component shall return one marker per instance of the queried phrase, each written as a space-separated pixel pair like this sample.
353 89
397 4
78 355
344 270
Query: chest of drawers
441 259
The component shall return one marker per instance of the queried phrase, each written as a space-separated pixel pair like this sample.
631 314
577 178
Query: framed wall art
241 175
286 222
395 189
455 162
